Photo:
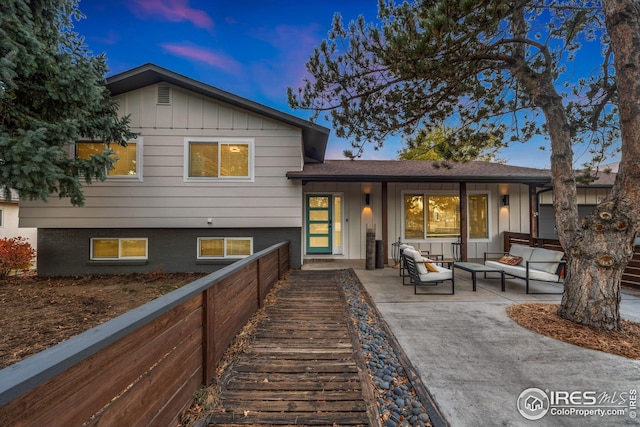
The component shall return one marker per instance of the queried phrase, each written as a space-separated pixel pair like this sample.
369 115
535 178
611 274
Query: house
9 217
203 184
213 177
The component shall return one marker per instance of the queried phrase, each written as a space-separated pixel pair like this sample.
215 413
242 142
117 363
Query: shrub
15 254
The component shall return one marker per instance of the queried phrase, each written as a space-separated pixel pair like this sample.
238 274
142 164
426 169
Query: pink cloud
215 59
171 10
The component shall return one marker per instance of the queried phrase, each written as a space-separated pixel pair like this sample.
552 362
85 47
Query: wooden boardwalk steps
302 366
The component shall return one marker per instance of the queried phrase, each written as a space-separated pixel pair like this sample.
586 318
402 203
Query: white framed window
124 248
436 215
224 247
219 159
129 158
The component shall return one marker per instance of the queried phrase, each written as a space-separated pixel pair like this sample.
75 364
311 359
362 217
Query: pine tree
52 93
508 68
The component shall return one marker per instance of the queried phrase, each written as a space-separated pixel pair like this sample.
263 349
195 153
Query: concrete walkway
475 361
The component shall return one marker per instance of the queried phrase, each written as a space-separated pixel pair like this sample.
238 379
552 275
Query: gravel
398 403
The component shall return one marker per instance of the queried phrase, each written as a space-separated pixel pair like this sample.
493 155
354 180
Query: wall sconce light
505 200
367 199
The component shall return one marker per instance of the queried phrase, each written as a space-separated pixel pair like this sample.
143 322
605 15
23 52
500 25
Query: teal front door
319 223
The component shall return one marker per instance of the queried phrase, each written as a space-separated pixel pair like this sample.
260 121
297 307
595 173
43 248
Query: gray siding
515 218
162 198
66 252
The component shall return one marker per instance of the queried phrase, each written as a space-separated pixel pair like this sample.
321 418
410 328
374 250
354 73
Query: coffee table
474 268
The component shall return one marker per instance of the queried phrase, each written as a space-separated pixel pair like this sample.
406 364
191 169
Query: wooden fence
143 367
630 277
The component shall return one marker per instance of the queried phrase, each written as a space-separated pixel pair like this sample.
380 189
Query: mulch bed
543 319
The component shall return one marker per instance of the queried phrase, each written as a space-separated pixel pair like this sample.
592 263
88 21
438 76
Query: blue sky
252 48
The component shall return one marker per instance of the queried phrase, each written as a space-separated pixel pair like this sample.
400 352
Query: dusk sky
252 48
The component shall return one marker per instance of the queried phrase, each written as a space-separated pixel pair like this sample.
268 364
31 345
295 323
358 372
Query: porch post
385 223
533 212
463 221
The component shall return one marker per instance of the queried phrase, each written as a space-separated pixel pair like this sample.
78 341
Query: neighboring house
589 195
9 214
214 177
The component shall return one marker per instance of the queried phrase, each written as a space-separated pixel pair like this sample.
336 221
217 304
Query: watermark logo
533 403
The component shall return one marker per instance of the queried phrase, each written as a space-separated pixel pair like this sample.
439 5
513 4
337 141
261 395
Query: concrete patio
475 361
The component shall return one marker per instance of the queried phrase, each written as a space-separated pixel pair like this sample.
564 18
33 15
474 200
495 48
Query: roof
418 171
314 137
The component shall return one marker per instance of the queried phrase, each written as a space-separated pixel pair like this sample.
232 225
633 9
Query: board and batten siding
515 218
162 198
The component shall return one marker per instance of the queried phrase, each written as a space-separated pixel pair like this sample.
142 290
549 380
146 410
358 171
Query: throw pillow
510 260
432 268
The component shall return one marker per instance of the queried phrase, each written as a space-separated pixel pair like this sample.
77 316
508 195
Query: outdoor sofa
529 263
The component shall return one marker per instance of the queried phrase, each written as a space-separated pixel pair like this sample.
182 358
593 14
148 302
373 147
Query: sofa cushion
442 274
541 254
521 272
510 260
521 251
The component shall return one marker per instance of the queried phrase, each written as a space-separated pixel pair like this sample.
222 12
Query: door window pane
319 202
320 215
319 228
318 242
337 221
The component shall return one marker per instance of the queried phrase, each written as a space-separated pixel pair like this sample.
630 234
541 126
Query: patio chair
419 275
431 258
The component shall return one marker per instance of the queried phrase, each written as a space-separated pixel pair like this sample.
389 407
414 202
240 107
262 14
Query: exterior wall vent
164 95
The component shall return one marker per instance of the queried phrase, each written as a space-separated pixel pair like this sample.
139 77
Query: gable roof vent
164 95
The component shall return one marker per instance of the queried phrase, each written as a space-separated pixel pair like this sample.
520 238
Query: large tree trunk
599 247
602 247
597 259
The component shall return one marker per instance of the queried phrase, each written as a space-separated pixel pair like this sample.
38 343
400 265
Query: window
119 248
428 216
478 218
224 247
221 159
1 217
128 164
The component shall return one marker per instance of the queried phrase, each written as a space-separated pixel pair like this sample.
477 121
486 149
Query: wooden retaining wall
143 367
630 277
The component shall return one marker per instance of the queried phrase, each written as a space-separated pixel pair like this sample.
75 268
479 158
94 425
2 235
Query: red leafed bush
15 254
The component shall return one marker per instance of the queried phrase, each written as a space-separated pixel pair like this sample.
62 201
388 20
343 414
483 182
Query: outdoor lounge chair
431 258
419 275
